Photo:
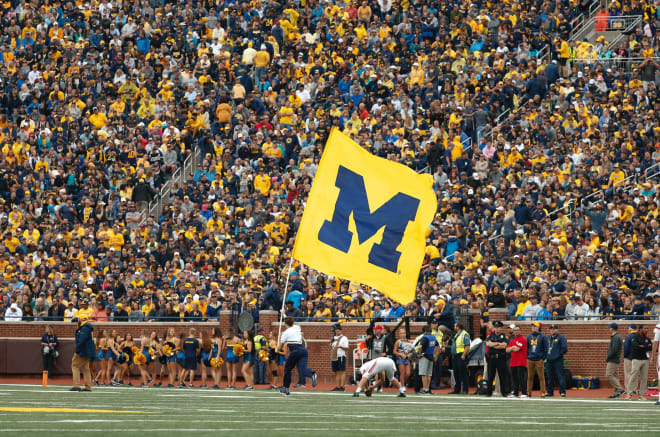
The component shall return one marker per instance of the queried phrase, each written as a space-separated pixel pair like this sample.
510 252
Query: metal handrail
584 21
623 182
624 32
646 172
156 205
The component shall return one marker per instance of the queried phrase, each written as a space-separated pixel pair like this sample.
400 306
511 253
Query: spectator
537 350
517 347
557 348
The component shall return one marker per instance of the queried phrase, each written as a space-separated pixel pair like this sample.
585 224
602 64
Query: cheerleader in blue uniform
180 356
126 360
102 352
113 356
275 363
169 352
232 346
205 356
142 359
217 346
248 360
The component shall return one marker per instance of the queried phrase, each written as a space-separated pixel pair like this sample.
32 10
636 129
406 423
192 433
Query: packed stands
543 158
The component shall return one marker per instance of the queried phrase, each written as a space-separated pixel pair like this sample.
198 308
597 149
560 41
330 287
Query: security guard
260 342
459 351
496 343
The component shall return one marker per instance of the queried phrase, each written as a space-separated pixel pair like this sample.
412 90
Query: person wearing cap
613 360
628 355
655 352
339 345
428 349
557 348
537 349
85 350
379 342
496 342
517 347
641 345
459 350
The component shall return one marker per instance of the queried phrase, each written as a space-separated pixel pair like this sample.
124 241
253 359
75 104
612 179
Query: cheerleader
142 359
248 360
169 350
179 357
276 362
234 350
101 354
205 357
154 356
217 346
114 357
128 354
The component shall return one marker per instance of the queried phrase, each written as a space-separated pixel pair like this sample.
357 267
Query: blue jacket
627 346
556 347
84 341
537 346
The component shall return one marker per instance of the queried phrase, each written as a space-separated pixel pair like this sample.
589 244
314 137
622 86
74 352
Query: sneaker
181 385
75 389
285 391
203 386
96 382
378 390
231 387
356 394
511 396
563 395
85 389
248 387
338 389
170 385
614 395
524 397
190 385
272 387
315 379
425 392
496 393
368 392
657 402
216 387
402 395
299 386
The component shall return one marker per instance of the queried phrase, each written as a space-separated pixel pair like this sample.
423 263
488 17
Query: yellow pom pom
263 355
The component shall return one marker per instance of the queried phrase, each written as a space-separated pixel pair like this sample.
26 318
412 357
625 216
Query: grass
209 412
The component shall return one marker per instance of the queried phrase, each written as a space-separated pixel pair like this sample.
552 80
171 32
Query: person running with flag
373 368
291 344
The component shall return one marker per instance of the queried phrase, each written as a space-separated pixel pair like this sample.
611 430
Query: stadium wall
20 352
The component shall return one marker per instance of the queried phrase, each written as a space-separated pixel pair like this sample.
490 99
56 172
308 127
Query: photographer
379 342
338 356
49 344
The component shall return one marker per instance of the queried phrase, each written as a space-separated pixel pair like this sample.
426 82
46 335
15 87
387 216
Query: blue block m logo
394 215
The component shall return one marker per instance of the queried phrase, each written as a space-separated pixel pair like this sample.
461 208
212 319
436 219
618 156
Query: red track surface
600 393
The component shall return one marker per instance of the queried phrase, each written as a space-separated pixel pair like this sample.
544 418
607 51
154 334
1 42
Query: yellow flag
366 218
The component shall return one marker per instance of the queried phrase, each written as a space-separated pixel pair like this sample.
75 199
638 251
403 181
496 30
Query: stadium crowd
103 101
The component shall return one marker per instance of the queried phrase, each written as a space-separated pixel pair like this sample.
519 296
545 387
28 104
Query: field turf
194 411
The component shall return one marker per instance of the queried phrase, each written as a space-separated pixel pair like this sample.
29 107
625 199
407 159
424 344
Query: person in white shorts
374 367
656 352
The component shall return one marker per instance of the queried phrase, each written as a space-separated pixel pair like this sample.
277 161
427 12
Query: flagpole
286 286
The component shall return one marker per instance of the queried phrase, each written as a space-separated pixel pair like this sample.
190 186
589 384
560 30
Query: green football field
136 411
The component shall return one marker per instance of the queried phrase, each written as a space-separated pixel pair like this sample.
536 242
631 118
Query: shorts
339 365
111 356
190 363
100 355
400 360
378 365
562 61
179 358
425 367
231 358
248 359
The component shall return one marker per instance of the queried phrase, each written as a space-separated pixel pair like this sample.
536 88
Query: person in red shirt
518 349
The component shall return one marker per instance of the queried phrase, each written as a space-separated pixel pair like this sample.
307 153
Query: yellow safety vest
257 342
459 340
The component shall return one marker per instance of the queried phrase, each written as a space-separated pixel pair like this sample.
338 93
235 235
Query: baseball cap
537 324
614 326
513 326
378 326
498 324
554 326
